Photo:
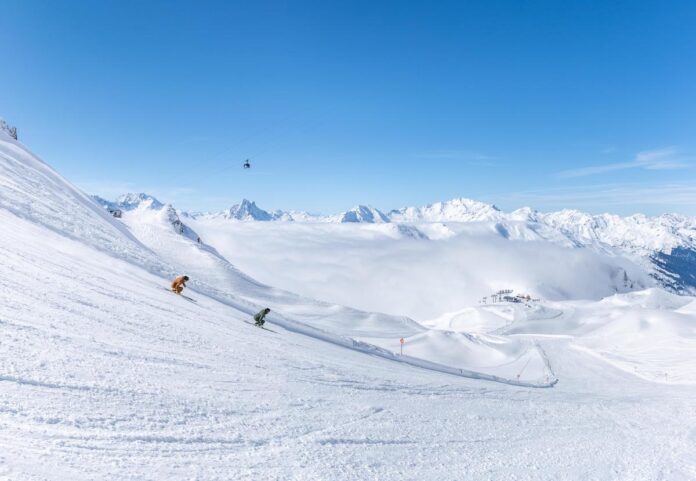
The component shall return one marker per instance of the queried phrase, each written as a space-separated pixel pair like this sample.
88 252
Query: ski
261 327
190 299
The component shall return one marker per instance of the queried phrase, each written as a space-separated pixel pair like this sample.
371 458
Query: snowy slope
164 246
152 227
649 333
106 375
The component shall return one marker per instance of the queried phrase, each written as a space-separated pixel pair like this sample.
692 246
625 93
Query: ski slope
106 375
648 333
479 355
156 241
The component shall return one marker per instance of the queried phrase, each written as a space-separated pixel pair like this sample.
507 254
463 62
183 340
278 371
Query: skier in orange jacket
179 283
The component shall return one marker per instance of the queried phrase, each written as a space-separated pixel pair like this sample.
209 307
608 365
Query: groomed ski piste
105 375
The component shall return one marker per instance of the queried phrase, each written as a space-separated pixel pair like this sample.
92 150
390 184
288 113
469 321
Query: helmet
186 278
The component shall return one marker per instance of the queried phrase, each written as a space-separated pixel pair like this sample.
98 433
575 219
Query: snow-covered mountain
361 214
459 210
245 211
665 244
636 234
248 211
129 201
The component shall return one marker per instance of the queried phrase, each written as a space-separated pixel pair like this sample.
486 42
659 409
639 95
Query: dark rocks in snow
9 129
676 270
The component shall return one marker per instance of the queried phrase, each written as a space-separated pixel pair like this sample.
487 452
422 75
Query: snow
648 333
458 210
245 211
106 375
475 319
362 213
133 201
638 235
339 325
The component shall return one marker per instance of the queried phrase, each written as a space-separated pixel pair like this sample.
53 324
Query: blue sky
552 104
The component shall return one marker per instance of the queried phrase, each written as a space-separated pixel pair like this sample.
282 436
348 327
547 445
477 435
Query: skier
179 283
247 164
259 317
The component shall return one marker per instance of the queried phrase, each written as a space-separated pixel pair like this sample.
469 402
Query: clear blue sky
552 104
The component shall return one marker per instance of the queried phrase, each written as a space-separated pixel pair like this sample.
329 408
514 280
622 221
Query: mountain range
665 245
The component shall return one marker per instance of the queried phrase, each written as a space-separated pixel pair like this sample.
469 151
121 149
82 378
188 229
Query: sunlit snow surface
106 375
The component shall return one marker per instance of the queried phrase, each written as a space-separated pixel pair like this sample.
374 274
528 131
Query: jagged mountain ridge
361 214
458 210
638 232
130 201
245 211
248 211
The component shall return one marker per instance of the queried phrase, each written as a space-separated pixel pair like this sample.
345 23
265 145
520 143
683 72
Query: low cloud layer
366 267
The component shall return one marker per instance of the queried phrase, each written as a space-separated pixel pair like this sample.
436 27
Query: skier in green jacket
259 316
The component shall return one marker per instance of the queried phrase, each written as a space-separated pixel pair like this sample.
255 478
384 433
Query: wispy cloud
667 158
625 198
